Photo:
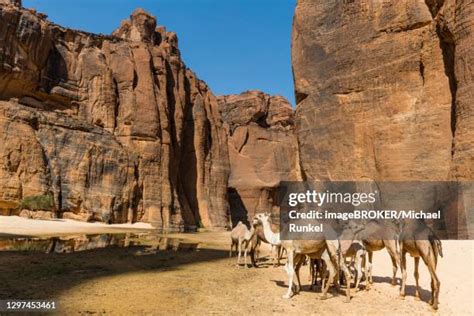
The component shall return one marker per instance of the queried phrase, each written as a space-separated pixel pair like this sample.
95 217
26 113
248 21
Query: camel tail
397 244
437 247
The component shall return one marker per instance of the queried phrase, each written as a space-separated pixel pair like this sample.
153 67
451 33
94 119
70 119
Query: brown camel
326 249
420 241
355 251
326 253
375 237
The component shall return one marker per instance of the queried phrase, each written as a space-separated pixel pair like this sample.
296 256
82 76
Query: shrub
37 202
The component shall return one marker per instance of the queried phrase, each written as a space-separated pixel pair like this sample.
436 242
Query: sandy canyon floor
125 281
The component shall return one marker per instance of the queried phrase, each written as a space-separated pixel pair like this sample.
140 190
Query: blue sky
234 45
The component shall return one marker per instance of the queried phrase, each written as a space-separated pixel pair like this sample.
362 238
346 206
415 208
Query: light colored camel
241 236
258 238
354 250
297 251
272 237
419 241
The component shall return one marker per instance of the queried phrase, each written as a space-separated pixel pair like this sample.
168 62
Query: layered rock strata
262 151
111 128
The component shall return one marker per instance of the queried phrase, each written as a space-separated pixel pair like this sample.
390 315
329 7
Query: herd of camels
350 249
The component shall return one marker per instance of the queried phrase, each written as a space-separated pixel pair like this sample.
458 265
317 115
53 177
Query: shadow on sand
36 275
409 289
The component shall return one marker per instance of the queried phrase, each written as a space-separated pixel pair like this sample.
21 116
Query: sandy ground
125 281
19 226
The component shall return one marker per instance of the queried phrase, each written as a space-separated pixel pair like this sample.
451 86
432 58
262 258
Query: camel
258 238
297 251
375 237
272 237
241 236
356 252
420 241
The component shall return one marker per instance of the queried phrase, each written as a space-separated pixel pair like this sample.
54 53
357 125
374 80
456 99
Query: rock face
262 150
384 89
111 128
384 92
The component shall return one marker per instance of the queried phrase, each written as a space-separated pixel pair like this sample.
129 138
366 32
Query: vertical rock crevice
449 50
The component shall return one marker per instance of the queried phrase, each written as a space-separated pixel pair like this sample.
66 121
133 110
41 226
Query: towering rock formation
262 150
110 128
384 89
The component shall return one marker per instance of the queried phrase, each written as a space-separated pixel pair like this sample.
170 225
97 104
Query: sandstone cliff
110 128
384 88
262 150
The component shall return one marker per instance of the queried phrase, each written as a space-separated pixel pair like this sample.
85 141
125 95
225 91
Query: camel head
255 221
351 231
262 217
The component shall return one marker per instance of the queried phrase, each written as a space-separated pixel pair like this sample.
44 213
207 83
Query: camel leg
245 253
312 272
278 252
358 267
394 268
299 261
347 275
332 274
255 253
369 279
430 261
253 250
324 273
258 251
231 248
392 251
367 283
417 275
240 251
404 273
274 256
291 273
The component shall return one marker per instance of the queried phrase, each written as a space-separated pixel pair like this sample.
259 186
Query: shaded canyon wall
262 151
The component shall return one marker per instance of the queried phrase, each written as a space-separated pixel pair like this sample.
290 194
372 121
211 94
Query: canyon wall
262 151
107 128
384 89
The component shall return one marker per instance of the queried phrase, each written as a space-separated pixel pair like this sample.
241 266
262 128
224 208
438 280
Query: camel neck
270 236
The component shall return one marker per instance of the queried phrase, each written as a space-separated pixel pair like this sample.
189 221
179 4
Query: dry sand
125 281
19 226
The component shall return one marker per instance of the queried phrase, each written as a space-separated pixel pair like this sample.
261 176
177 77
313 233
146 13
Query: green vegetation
37 202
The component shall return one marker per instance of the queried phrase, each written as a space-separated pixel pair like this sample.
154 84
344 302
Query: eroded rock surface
262 150
385 90
113 128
